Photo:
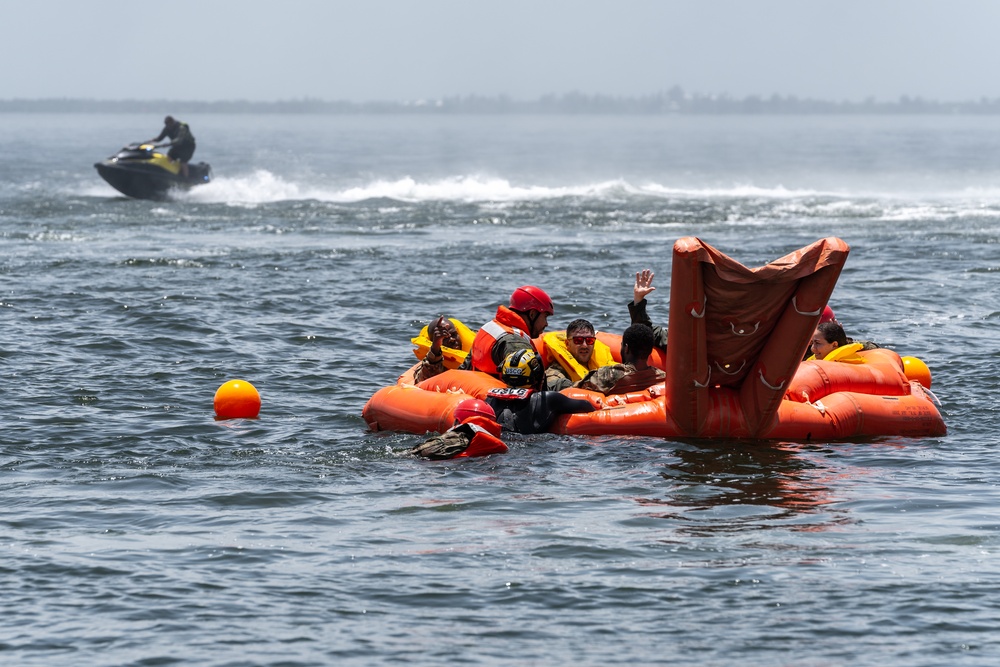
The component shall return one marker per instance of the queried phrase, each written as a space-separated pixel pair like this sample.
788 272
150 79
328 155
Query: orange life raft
735 341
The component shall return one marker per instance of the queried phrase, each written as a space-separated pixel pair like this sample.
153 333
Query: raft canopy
732 327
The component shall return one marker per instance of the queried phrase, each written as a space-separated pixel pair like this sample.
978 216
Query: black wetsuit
183 141
526 411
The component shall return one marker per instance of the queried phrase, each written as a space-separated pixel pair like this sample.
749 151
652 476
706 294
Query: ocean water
135 529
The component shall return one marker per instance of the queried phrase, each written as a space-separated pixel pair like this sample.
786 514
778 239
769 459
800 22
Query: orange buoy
915 369
237 399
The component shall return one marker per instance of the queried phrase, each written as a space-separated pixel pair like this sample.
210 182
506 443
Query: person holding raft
476 433
510 330
830 343
634 373
522 406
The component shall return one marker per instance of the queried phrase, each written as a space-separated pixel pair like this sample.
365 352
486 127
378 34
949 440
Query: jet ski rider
182 142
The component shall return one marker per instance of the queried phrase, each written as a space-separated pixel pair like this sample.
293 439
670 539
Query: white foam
263 187
736 190
260 187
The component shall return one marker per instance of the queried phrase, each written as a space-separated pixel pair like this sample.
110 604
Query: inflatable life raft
735 341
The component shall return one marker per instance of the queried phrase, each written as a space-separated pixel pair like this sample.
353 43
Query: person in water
831 343
476 433
637 307
573 354
830 335
181 142
826 316
510 330
441 332
634 373
522 406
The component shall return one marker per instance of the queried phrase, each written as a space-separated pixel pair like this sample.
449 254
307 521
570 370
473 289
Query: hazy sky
399 50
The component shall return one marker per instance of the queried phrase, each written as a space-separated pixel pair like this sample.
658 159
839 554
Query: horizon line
672 101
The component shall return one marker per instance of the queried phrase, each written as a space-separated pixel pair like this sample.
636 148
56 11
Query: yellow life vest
452 357
555 347
846 354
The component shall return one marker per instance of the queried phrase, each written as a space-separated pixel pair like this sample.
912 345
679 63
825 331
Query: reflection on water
723 487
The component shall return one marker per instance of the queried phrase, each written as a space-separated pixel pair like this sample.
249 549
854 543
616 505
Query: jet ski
142 172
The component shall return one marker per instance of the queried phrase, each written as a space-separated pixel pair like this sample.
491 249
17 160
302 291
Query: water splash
265 187
262 186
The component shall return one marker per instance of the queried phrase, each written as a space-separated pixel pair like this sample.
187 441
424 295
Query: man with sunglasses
573 354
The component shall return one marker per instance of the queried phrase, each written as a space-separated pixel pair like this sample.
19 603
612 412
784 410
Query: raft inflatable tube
735 343
826 400
427 406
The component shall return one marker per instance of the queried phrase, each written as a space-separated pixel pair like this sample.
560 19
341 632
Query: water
137 530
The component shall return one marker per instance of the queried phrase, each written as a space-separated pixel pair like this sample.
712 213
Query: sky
407 50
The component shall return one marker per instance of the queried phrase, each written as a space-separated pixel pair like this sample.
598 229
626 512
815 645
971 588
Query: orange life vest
505 322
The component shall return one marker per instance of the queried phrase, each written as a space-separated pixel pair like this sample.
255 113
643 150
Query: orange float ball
915 369
237 399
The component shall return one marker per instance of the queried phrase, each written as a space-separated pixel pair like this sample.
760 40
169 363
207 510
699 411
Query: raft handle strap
811 313
819 406
704 303
708 379
768 384
732 325
736 372
928 392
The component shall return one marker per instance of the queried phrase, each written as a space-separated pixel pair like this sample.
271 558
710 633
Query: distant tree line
672 101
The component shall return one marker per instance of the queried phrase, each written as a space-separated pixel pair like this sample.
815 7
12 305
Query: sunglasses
580 340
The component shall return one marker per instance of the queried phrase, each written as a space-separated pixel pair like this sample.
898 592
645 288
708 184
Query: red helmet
473 407
827 315
529 297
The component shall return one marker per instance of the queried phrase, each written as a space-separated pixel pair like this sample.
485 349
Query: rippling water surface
137 530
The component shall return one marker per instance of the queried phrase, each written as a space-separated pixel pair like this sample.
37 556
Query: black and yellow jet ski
140 171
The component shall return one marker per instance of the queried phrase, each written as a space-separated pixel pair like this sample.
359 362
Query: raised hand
438 332
643 285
